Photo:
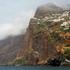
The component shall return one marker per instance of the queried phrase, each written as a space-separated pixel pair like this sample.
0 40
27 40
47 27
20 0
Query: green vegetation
67 45
66 29
40 26
55 36
21 61
67 53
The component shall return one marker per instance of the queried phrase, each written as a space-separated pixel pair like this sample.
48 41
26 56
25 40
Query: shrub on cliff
67 54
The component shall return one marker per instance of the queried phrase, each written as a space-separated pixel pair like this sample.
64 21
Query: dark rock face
54 62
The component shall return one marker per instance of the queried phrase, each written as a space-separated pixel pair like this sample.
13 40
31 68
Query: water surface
33 68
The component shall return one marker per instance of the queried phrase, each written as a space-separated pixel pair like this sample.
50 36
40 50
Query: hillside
9 48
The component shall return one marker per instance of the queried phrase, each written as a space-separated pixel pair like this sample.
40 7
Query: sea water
33 68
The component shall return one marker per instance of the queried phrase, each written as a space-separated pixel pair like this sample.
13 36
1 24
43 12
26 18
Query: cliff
47 37
44 38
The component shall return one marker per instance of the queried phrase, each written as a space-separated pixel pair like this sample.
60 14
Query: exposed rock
36 40
42 39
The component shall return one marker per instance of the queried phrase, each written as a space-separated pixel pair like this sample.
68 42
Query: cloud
16 26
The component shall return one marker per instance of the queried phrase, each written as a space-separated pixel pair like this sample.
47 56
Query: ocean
33 68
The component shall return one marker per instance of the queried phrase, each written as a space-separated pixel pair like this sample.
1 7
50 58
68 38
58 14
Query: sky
15 14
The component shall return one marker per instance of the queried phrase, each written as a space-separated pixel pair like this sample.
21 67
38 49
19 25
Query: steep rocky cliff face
39 46
43 39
